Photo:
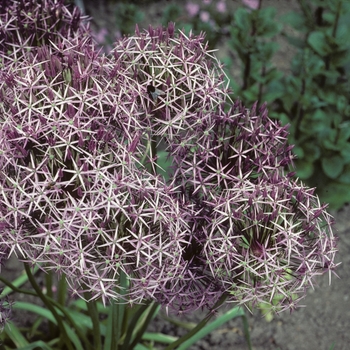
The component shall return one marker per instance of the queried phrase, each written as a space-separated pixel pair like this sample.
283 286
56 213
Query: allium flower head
256 235
80 190
190 78
76 192
232 147
268 241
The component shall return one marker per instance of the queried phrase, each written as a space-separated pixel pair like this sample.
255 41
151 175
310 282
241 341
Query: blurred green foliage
312 95
127 15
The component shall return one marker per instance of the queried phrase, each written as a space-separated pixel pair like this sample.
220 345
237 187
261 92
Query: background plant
314 98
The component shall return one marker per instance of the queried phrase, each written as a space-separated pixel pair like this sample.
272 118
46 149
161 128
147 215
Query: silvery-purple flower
189 80
80 187
76 194
79 190
27 25
255 234
230 148
265 242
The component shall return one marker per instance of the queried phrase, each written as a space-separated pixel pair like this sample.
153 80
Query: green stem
93 313
62 290
336 22
64 337
56 304
246 331
199 326
154 153
112 336
16 289
150 310
49 294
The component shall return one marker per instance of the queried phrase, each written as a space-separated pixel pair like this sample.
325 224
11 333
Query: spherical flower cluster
172 80
257 235
266 242
81 188
77 195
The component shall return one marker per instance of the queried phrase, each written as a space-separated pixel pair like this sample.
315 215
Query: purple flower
204 16
221 6
26 25
266 242
192 9
253 4
181 68
229 148
82 191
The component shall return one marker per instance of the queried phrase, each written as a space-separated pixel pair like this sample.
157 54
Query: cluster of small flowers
81 191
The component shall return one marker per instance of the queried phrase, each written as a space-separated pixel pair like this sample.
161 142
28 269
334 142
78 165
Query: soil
323 323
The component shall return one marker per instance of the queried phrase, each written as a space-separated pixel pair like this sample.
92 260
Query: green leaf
159 337
341 103
315 122
304 169
242 19
347 111
317 41
312 151
344 177
34 346
295 20
299 152
335 193
142 324
250 94
18 282
332 166
233 313
15 335
48 315
329 144
141 347
267 26
282 117
340 58
345 153
297 42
